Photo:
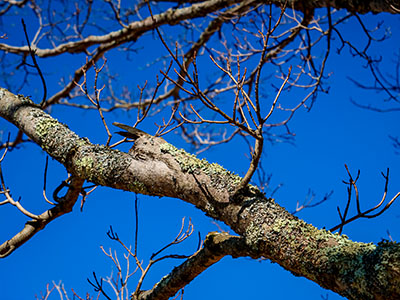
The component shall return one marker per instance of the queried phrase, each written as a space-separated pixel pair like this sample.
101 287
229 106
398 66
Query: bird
131 132
140 150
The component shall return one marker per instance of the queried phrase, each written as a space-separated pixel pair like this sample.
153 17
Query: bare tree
278 42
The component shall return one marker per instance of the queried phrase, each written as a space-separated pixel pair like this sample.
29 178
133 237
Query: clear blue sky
333 133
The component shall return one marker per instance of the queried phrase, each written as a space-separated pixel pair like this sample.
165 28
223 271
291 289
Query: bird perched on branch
131 132
144 148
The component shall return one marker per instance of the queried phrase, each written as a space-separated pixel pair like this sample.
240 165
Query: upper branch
131 32
173 16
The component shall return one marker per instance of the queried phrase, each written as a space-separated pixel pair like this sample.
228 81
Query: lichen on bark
189 163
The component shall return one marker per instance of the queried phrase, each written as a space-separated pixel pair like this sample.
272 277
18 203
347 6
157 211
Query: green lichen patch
84 165
44 126
189 163
55 138
138 187
98 164
349 260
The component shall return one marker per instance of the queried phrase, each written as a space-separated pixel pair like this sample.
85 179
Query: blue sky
335 132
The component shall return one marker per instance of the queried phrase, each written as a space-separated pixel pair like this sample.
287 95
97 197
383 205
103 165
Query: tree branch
155 167
131 33
216 246
35 225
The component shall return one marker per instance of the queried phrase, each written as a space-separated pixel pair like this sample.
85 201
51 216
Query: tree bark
155 167
354 6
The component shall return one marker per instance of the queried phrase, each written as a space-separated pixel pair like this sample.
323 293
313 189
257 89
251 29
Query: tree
212 90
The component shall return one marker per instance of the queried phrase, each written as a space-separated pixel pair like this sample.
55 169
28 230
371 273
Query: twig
32 53
367 213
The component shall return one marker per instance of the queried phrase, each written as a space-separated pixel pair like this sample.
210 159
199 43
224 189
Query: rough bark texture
155 167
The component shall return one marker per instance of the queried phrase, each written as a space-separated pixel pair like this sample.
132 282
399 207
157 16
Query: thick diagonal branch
155 167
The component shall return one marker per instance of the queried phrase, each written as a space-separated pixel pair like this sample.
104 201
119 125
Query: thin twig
32 53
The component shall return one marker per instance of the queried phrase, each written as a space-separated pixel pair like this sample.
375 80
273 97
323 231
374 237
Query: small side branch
118 283
35 225
216 246
369 213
